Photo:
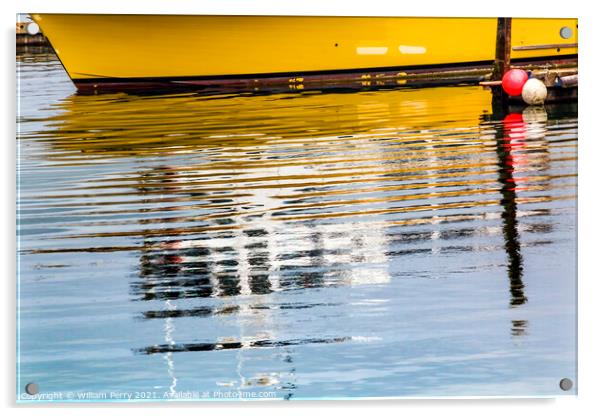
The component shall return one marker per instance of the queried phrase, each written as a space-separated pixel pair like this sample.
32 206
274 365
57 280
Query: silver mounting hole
32 389
566 384
33 28
566 32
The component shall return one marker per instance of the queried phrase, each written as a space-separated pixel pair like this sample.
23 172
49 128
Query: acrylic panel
236 207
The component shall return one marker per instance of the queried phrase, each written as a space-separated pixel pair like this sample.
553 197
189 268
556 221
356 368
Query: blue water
406 242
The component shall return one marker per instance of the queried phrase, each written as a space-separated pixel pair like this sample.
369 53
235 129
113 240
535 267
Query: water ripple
246 222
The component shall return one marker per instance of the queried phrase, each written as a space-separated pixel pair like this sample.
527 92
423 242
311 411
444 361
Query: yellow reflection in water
125 125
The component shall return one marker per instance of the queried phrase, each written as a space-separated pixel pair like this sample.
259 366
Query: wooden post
502 47
499 100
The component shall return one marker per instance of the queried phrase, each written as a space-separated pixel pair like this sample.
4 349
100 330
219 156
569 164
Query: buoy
534 92
513 81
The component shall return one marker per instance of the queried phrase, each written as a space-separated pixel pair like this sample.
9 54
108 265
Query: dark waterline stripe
352 71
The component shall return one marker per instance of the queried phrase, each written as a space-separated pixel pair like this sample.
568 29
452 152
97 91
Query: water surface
402 242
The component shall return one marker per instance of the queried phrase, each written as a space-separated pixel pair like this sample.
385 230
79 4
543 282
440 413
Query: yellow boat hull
101 49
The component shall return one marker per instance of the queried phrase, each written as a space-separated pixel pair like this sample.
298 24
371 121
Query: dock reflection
518 133
512 134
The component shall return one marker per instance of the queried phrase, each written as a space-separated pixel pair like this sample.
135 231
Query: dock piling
502 60
502 47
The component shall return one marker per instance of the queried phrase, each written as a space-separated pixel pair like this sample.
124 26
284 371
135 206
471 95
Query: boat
123 52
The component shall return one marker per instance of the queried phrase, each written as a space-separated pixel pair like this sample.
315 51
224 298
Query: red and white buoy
516 83
534 92
513 81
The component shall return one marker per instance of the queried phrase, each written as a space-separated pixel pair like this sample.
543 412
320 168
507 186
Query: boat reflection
227 128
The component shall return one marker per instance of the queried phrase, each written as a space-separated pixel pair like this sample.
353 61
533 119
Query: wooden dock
561 79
